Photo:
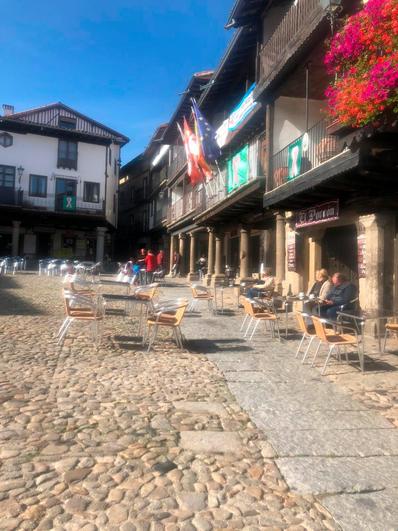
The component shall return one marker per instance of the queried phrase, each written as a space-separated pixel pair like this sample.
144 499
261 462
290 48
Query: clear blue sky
122 62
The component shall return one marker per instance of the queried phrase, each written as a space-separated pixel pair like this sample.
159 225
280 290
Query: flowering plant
363 57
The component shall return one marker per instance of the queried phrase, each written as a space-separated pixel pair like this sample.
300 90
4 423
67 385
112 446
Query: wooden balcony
177 164
296 29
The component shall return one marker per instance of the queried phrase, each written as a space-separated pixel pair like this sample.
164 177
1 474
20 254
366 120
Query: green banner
295 157
238 169
69 202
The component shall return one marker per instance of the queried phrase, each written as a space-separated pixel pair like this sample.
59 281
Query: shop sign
237 117
295 156
238 169
361 256
291 251
318 214
69 202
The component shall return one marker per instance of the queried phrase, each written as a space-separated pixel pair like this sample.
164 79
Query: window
7 176
6 140
37 185
67 154
91 192
66 122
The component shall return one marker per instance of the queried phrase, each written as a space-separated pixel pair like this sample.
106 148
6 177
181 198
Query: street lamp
20 171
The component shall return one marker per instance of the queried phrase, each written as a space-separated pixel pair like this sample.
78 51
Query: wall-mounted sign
291 251
237 117
69 202
318 214
238 169
361 256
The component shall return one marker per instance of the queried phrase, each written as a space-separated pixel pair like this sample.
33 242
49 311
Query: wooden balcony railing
177 163
305 153
298 24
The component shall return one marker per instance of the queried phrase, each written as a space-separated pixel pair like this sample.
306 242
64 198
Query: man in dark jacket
340 298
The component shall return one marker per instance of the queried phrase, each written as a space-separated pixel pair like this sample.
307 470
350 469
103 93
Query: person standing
150 265
176 264
160 259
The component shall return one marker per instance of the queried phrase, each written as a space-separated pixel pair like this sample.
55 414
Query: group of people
145 265
327 295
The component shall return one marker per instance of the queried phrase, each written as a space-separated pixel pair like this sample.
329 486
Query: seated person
342 294
319 289
267 283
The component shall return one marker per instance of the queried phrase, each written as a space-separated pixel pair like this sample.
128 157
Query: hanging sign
237 117
238 169
295 155
291 251
361 256
318 214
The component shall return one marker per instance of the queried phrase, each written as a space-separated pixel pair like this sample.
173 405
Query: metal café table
360 321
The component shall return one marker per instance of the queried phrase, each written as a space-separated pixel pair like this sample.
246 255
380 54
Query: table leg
222 300
361 352
286 318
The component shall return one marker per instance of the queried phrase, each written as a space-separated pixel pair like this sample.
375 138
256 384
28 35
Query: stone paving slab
327 475
212 408
210 442
376 511
334 443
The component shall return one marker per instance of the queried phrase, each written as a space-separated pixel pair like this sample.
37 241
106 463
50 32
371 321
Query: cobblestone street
121 439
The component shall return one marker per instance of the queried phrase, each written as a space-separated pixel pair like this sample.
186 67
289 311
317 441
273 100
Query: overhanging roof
244 11
193 90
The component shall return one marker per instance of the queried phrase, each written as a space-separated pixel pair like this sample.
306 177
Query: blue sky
122 62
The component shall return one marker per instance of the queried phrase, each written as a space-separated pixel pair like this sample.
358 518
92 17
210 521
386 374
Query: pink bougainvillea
363 57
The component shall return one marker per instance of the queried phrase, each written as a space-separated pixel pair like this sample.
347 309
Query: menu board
361 256
291 251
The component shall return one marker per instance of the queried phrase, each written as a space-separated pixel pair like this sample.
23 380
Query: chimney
8 109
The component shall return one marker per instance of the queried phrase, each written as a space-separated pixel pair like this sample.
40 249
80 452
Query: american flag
206 135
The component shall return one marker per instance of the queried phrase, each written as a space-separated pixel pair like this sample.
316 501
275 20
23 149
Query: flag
191 151
207 136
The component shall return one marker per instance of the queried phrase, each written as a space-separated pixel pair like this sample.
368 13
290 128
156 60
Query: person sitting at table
267 283
341 297
318 291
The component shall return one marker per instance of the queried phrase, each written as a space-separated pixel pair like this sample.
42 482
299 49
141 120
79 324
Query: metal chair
84 309
201 293
169 316
333 340
257 315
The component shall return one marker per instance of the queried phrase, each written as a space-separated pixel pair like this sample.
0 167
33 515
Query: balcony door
65 194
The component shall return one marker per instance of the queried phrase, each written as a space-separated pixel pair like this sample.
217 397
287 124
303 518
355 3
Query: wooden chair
332 340
169 316
308 333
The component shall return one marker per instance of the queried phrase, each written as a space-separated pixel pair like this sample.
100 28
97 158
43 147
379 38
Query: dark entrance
43 244
340 251
5 244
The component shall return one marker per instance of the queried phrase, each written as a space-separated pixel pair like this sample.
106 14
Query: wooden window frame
31 193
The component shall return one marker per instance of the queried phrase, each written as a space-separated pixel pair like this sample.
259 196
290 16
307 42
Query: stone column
181 250
280 251
15 237
218 269
244 252
192 255
101 231
314 255
371 288
227 248
172 250
210 255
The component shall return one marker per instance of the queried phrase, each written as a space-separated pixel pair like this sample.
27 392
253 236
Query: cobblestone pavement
120 439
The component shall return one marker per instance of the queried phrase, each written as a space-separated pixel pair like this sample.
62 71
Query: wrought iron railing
10 196
305 153
62 203
300 20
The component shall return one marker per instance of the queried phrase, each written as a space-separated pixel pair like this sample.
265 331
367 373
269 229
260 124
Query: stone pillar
227 248
172 250
280 251
371 288
244 252
15 237
192 256
210 255
314 255
218 269
181 250
100 243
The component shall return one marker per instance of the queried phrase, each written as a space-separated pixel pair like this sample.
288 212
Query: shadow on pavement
11 304
209 346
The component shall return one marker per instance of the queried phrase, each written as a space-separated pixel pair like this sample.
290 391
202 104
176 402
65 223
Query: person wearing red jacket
150 264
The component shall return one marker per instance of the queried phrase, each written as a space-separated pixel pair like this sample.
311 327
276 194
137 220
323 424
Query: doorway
340 251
